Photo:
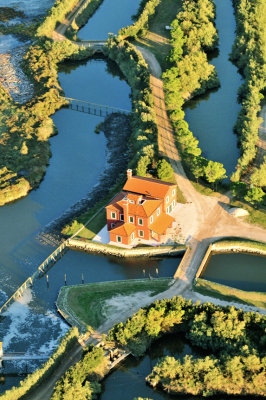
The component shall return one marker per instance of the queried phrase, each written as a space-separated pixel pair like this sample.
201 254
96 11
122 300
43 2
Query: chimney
125 210
129 173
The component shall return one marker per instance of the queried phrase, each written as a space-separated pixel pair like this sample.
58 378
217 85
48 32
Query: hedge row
249 54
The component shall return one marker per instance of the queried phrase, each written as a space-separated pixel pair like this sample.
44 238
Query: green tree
255 196
215 172
164 170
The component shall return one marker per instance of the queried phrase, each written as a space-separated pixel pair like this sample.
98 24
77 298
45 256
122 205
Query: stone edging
121 252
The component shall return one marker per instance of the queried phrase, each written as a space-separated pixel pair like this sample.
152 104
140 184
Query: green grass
227 293
157 39
256 216
87 302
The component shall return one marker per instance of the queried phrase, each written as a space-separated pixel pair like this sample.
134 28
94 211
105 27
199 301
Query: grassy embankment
88 304
227 293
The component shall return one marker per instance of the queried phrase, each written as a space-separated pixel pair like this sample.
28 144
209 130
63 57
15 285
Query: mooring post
65 280
82 278
1 354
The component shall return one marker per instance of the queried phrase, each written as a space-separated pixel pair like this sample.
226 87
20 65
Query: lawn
92 304
227 293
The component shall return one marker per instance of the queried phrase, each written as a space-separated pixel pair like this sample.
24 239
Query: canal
241 271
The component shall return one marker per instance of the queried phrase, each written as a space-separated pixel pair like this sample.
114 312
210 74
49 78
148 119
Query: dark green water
212 117
241 271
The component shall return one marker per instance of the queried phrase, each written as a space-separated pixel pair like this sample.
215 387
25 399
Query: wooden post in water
1 354
65 280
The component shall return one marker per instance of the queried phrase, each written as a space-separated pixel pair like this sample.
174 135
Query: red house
141 210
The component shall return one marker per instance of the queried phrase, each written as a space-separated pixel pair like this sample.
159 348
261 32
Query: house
141 210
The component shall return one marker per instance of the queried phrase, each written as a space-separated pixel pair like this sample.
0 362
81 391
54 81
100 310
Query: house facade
141 210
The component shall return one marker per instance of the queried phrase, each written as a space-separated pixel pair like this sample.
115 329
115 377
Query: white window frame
173 203
132 236
167 199
113 213
151 219
131 222
140 219
121 217
167 210
158 211
117 239
140 230
173 192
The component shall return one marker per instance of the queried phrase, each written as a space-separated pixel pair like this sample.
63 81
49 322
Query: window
121 217
112 225
132 201
132 236
167 199
173 203
131 220
173 192
113 215
119 239
151 219
167 210
158 211
141 233
140 221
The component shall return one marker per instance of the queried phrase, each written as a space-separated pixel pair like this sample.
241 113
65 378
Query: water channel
79 157
241 271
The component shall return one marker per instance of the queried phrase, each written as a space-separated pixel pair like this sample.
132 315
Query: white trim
140 219
118 237
131 222
132 236
151 219
167 199
173 192
113 212
158 211
140 230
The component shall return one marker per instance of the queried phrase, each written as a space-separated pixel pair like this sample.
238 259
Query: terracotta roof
142 210
161 223
124 229
133 196
147 186
113 203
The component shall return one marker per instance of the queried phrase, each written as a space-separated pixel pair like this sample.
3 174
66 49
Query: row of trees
235 339
249 54
190 74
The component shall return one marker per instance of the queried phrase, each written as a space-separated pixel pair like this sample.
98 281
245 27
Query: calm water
212 117
101 24
242 271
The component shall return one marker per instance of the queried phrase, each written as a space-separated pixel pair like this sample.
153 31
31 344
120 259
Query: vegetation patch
208 288
252 244
92 304
7 13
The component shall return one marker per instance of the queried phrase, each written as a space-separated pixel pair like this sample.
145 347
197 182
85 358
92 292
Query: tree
198 167
164 170
215 171
255 196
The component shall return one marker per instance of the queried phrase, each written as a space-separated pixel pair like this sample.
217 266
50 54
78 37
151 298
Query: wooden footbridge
100 110
39 273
